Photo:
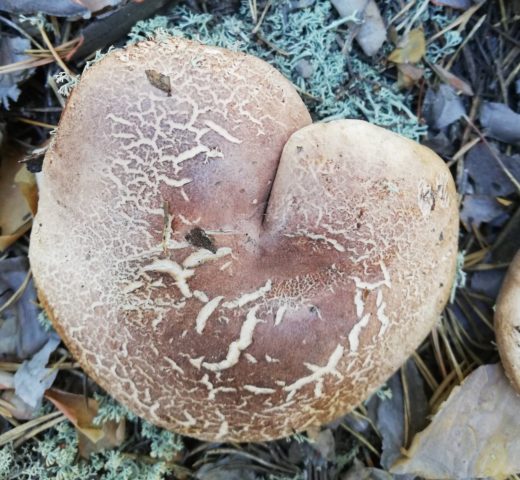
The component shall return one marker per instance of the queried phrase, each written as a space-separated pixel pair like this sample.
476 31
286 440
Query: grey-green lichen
44 321
110 411
54 455
164 445
460 276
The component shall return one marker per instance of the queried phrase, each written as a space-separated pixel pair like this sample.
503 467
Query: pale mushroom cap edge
507 322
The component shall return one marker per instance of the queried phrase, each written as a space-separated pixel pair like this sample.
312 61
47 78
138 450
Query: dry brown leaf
408 75
410 49
79 410
371 34
473 435
159 80
19 197
26 183
114 434
447 77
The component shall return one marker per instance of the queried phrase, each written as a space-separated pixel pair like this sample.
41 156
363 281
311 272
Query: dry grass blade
32 433
261 461
55 89
363 415
5 409
442 391
474 258
55 54
479 296
253 9
456 339
36 123
487 321
479 237
55 366
484 267
465 339
16 433
463 150
401 12
425 372
24 65
361 438
306 94
9 366
264 13
407 408
437 352
508 37
16 295
467 38
14 366
513 75
451 356
409 23
461 21
65 49
41 57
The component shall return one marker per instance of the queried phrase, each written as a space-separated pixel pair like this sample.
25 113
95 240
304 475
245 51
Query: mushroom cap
212 283
507 322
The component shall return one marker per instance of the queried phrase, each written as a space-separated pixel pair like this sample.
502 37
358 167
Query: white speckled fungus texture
219 265
507 322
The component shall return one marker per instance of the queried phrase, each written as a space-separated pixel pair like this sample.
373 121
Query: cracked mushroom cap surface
507 322
220 266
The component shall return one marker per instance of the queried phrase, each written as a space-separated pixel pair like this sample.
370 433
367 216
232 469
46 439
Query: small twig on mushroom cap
259 24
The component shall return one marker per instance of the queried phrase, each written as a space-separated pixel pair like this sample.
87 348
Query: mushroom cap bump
507 322
212 283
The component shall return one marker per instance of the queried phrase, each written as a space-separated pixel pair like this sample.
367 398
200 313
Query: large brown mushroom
212 283
507 323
